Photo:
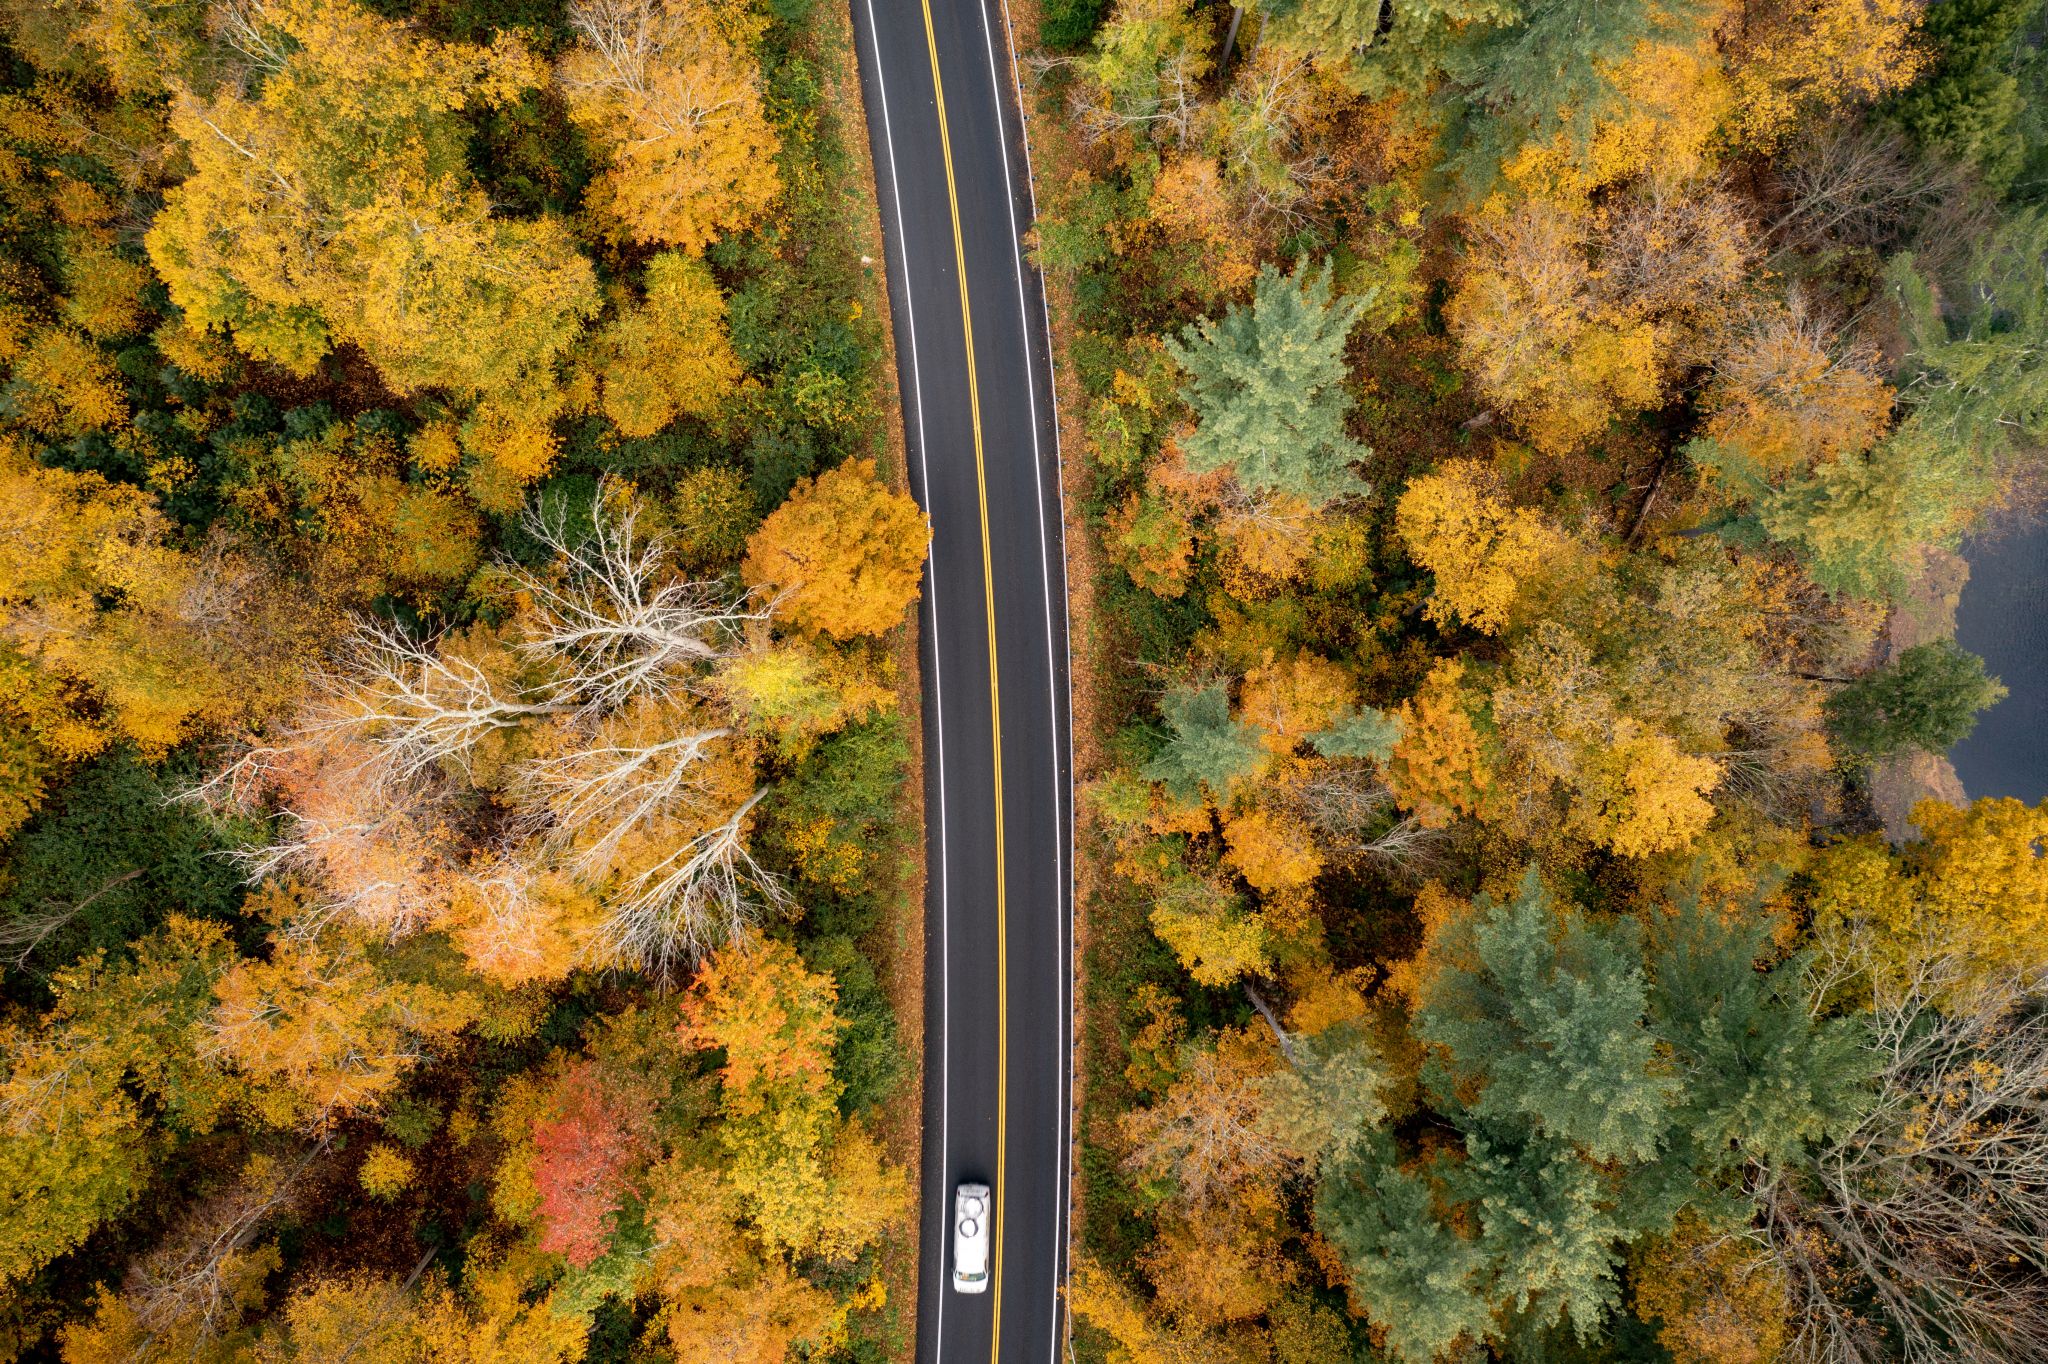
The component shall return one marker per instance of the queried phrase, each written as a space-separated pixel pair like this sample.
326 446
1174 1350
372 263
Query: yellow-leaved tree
1569 317
1787 395
331 203
1638 793
1788 58
109 631
1484 552
1974 886
668 356
842 554
1439 767
670 92
810 1181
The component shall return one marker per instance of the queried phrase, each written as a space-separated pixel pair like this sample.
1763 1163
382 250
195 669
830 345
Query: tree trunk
1230 38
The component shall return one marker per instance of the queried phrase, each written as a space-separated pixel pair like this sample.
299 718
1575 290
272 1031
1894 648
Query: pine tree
1267 384
1541 1013
1926 698
1977 365
1758 1074
1861 523
1967 106
1551 1225
1208 748
1425 1282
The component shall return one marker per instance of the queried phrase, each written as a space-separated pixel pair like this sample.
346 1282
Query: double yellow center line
988 589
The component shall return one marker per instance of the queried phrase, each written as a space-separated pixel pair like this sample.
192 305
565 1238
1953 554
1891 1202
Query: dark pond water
2004 617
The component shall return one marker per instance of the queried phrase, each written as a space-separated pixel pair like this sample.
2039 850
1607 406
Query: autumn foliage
585 1153
1520 443
843 555
390 733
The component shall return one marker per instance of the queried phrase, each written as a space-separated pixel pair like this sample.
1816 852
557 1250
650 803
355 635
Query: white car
972 1208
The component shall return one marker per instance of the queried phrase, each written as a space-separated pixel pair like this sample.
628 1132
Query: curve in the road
999 977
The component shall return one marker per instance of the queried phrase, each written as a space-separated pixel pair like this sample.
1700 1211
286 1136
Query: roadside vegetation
452 776
1504 434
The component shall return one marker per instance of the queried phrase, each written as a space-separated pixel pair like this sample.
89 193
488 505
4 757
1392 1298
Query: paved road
971 350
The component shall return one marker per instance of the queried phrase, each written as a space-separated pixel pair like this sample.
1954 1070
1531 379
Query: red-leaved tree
598 1136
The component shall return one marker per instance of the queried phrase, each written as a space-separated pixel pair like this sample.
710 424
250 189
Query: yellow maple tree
1292 698
842 556
1274 852
668 356
323 1031
1792 59
1785 399
1483 551
1637 793
334 204
1974 885
670 93
1535 337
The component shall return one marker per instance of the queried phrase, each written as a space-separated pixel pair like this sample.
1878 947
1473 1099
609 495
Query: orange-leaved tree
842 554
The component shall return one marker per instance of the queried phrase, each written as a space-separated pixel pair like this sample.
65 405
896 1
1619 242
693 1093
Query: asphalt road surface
953 178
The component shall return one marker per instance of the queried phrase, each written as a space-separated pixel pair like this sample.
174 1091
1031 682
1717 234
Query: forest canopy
454 586
1523 452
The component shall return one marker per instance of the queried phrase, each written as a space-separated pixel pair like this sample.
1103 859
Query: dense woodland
452 763
1514 440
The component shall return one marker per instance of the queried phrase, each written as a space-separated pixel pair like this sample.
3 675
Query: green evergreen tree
1267 383
1861 522
1551 1225
1976 375
1759 1075
1207 748
1547 1028
1968 104
1425 1282
1927 698
1368 733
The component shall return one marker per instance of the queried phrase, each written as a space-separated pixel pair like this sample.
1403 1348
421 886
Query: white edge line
1055 653
931 578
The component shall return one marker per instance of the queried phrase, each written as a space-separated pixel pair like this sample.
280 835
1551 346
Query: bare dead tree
188 1285
613 617
1674 251
1167 111
1281 517
1922 1234
1354 816
1857 184
591 798
246 28
376 777
708 890
372 841
625 34
415 706
1264 149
